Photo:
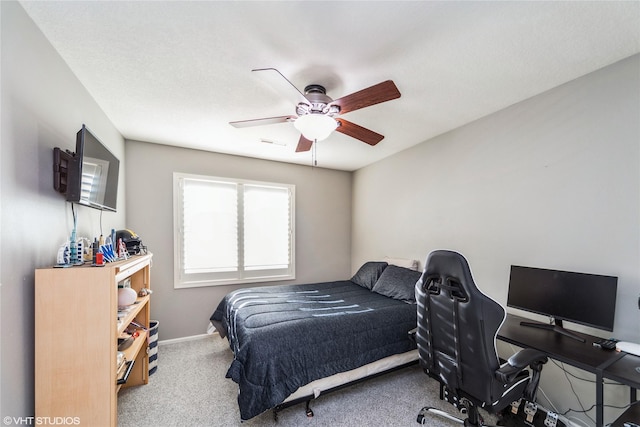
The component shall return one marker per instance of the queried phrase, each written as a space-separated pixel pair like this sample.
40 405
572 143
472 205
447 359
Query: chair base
426 410
464 421
465 406
514 416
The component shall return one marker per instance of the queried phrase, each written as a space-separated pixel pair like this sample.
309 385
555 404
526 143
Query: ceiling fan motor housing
318 102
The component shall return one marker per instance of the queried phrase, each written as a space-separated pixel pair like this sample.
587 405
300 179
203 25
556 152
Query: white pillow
411 264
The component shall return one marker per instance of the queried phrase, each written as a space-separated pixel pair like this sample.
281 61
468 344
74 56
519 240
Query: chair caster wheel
421 415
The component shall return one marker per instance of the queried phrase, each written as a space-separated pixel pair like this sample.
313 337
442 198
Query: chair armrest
527 356
516 363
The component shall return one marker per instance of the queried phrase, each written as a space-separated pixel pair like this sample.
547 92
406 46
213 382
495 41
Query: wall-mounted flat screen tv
93 174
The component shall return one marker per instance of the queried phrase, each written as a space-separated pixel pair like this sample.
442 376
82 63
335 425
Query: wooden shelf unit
76 334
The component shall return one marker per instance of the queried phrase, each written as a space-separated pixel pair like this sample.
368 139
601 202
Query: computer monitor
585 299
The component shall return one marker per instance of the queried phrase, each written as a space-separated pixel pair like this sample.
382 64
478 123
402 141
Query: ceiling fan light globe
315 127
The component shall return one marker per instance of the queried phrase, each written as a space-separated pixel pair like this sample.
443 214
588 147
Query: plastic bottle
94 250
73 247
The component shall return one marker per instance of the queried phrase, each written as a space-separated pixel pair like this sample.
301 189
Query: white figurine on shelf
122 250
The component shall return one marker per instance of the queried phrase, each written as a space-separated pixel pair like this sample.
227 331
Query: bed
292 342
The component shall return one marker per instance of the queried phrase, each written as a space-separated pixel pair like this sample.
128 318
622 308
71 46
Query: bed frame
337 382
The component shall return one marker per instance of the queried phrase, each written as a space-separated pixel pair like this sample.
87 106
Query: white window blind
266 227
232 231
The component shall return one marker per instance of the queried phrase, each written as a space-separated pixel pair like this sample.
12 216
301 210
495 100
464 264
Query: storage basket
153 346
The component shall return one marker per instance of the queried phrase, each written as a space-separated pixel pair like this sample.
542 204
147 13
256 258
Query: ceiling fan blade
358 132
281 84
382 92
303 144
260 122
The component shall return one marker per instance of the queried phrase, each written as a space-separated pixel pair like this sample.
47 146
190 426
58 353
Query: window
229 231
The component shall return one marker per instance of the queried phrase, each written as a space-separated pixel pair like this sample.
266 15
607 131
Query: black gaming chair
456 337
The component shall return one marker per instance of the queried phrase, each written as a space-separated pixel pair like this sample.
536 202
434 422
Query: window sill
226 282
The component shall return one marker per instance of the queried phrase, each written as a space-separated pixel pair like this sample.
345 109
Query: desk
626 370
602 363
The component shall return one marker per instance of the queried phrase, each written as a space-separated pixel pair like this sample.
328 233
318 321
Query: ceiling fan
316 113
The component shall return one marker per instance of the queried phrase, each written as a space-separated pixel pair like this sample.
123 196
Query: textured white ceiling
177 72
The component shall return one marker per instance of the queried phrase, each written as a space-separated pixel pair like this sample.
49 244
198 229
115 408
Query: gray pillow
369 273
397 283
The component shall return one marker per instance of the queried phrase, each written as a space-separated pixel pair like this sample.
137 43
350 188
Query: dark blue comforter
284 337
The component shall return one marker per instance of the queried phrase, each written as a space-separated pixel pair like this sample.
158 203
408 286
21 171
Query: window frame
183 280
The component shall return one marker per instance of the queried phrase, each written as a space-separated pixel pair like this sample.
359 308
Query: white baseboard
190 338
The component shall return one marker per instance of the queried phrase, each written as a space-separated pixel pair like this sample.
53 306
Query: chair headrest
450 271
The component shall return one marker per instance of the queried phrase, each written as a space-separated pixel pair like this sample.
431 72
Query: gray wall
553 182
323 224
43 106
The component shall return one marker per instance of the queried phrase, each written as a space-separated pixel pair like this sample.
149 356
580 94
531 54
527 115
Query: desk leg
599 399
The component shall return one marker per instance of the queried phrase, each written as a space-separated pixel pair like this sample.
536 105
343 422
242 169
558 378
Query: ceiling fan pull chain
313 153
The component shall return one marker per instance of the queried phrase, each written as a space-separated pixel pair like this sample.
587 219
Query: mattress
315 388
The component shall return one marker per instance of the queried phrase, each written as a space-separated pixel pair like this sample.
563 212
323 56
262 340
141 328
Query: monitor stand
555 327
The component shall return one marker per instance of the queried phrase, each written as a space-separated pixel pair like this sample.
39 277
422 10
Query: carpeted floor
190 389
